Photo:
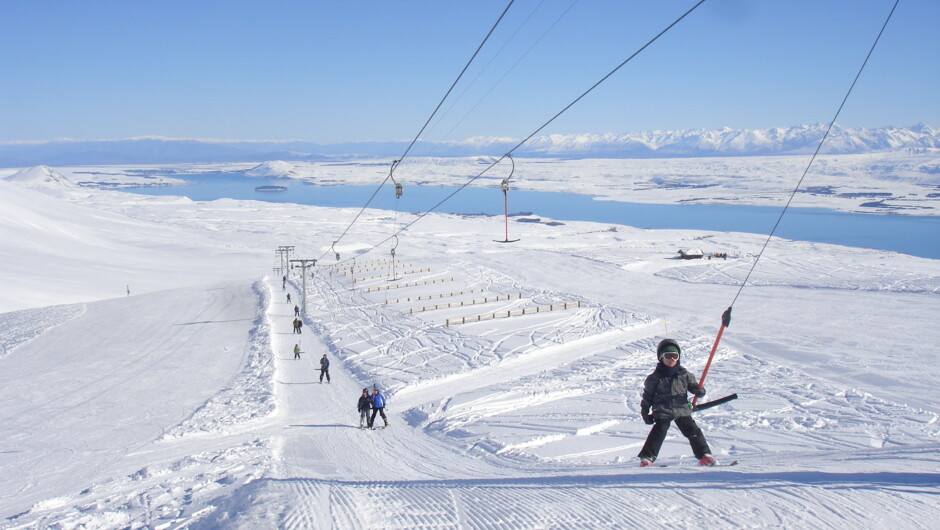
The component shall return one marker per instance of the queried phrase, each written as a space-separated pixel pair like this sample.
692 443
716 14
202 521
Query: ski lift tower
284 251
304 263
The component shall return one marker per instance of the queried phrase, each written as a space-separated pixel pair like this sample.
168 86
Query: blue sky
328 71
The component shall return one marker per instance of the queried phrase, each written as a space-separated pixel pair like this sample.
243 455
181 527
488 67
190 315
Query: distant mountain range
656 144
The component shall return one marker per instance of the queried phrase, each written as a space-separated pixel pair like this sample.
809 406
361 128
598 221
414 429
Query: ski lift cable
612 72
546 124
818 148
513 67
726 316
439 120
505 74
366 205
449 90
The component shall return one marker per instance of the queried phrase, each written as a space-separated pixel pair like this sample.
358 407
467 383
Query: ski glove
700 392
647 419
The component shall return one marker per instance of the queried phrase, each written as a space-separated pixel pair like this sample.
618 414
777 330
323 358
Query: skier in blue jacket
378 407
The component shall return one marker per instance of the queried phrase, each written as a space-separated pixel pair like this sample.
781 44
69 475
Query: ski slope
183 407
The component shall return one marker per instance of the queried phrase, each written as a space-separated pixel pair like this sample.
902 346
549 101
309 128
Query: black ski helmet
667 345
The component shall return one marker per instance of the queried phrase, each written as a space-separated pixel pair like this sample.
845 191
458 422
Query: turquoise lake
915 235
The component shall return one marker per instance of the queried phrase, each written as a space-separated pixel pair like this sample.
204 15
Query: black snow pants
689 429
380 410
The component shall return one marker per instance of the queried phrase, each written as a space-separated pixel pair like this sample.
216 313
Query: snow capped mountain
273 168
798 139
41 177
735 142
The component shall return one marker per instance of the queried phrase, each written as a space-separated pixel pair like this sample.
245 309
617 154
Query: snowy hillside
59 249
798 139
40 177
182 405
273 168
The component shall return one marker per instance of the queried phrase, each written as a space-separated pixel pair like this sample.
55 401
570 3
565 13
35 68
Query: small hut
691 253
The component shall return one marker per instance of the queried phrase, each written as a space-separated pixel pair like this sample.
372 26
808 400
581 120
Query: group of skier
374 403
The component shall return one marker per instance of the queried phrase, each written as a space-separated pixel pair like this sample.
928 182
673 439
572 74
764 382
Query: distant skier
378 407
364 406
297 351
284 282
665 392
296 311
324 369
297 325
288 298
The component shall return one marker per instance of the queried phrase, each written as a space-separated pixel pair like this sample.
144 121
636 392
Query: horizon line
469 139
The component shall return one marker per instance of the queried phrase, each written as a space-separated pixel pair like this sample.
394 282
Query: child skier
297 351
665 393
364 406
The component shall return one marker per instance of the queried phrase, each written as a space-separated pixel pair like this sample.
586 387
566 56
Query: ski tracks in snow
519 365
19 327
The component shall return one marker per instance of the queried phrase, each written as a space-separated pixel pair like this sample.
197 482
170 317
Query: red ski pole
725 322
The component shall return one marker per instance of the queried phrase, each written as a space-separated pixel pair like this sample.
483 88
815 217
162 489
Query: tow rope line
402 157
726 316
536 131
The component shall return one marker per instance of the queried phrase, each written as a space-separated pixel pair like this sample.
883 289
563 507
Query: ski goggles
670 356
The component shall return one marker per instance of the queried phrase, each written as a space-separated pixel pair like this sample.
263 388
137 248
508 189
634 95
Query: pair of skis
716 464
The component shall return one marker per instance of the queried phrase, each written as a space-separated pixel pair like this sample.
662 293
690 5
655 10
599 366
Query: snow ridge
41 177
723 142
797 139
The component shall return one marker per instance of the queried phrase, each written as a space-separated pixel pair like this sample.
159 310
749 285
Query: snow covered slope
184 407
58 250
103 384
40 177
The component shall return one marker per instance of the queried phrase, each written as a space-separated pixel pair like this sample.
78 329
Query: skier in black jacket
324 369
665 394
364 407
